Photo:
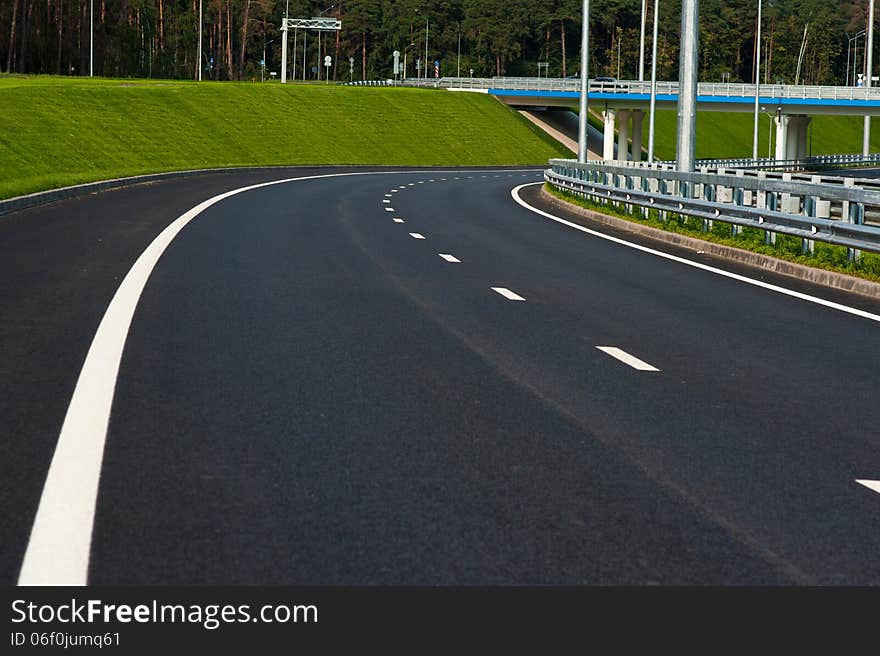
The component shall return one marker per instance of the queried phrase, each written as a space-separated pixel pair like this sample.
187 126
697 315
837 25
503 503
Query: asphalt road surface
410 378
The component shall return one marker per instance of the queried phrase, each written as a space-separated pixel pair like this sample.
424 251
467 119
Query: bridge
625 103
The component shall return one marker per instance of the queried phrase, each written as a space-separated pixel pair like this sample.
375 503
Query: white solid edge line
626 358
506 293
450 258
697 265
416 235
871 485
58 549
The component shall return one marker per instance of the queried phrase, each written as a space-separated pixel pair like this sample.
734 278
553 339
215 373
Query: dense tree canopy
804 40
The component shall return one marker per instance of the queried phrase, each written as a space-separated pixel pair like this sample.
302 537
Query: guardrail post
630 185
661 188
766 200
737 200
809 245
708 195
852 213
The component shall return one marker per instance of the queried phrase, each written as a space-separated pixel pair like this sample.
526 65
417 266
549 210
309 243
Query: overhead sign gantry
318 23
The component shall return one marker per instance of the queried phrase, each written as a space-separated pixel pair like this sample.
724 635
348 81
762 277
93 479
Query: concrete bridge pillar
637 117
610 117
623 134
791 136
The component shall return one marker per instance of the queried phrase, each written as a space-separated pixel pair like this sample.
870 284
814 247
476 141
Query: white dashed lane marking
416 235
449 258
506 293
397 220
389 209
626 358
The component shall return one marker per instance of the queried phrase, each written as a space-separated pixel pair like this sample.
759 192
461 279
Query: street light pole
426 46
199 55
458 66
405 51
687 86
585 83
850 80
653 107
757 83
642 42
91 38
263 67
866 137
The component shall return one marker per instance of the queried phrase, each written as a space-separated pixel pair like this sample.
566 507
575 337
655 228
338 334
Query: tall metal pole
757 83
91 38
687 85
425 67
199 56
585 84
847 60
642 42
866 139
293 66
458 66
653 84
284 52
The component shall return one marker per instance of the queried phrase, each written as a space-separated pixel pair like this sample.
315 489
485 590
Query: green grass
729 134
60 131
826 256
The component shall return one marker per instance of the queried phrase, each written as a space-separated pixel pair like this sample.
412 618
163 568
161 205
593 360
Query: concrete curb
802 272
53 195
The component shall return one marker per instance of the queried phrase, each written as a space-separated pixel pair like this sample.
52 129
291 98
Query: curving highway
340 376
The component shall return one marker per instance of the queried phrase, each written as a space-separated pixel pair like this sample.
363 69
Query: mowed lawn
730 134
61 131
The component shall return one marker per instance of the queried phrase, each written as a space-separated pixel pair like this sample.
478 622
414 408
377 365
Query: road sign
396 55
328 60
436 69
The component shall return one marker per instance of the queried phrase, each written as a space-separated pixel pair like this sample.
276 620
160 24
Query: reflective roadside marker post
350 69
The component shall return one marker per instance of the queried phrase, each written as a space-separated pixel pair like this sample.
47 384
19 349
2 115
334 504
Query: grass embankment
729 135
60 131
826 256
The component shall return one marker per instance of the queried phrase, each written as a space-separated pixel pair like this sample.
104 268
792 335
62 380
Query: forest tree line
804 41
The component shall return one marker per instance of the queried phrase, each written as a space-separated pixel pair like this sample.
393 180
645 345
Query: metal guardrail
728 90
368 83
814 208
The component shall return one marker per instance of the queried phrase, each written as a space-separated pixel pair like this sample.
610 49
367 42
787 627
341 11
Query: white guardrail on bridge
730 90
813 207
